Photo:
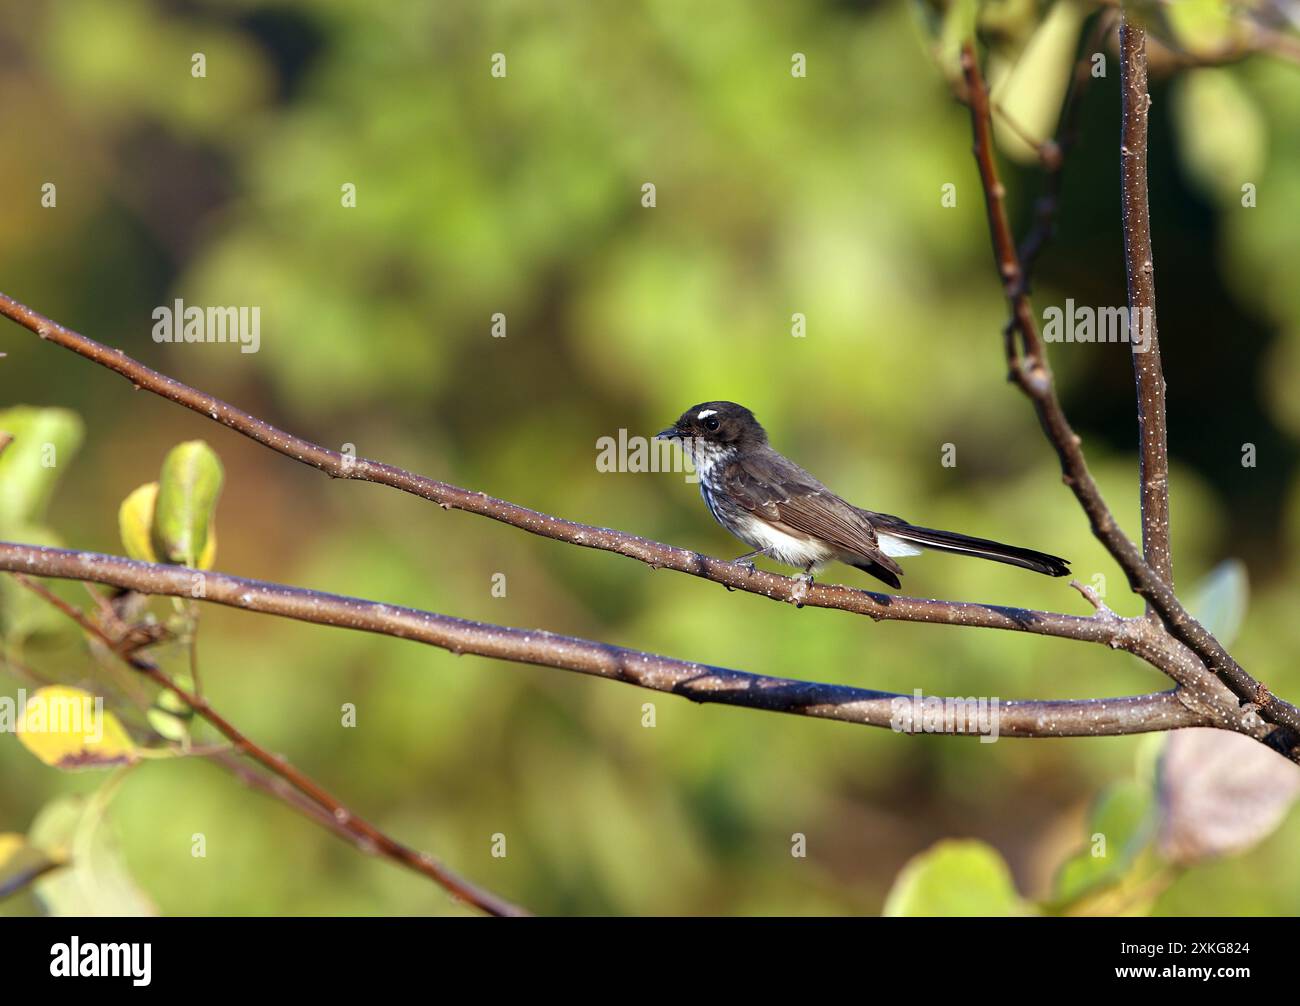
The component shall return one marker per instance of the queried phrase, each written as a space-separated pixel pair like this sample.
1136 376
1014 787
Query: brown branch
1033 377
655 554
1139 262
695 681
1028 369
277 788
358 828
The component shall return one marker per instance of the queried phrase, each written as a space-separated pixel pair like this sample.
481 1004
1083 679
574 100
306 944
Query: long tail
964 544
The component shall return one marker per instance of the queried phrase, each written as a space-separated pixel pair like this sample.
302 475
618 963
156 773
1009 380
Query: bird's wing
782 493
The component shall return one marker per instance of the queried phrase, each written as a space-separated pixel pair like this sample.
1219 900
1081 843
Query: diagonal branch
1029 370
1139 264
655 554
695 681
325 806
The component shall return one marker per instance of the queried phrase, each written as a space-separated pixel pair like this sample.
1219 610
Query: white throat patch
704 455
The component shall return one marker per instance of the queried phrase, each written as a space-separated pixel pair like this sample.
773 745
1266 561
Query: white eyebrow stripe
706 413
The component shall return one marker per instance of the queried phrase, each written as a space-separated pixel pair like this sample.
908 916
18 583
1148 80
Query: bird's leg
749 566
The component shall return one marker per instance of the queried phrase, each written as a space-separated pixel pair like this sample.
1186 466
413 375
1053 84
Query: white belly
804 552
798 552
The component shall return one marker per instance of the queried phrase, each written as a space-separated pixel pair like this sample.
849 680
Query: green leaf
71 830
22 613
1122 815
1119 826
1202 26
957 25
1219 601
170 716
187 501
1031 93
45 440
956 877
1221 133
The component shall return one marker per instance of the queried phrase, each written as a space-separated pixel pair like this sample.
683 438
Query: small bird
782 512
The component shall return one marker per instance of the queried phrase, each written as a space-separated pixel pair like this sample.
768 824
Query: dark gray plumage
783 512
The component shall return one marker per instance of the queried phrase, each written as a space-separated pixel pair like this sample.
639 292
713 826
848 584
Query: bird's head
721 425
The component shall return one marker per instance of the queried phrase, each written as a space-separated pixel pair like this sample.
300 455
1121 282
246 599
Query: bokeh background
522 195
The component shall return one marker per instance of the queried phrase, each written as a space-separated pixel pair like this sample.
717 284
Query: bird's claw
744 564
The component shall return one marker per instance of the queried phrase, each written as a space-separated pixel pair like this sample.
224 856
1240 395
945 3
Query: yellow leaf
135 522
10 845
209 555
21 864
69 729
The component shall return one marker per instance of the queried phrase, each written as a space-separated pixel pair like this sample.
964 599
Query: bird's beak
669 434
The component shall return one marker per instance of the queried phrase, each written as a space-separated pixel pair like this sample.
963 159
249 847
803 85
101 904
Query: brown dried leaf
1220 793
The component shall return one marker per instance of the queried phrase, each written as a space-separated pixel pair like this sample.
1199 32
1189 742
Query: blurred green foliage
477 195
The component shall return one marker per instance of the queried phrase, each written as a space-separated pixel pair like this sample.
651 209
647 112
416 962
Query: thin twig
360 829
1139 263
695 681
277 788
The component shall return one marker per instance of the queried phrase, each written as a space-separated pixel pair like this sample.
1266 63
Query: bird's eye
711 424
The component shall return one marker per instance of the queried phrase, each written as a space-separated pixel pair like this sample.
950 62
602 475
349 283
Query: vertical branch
1140 266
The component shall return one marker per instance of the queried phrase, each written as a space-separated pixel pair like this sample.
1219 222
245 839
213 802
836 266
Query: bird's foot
745 563
803 582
